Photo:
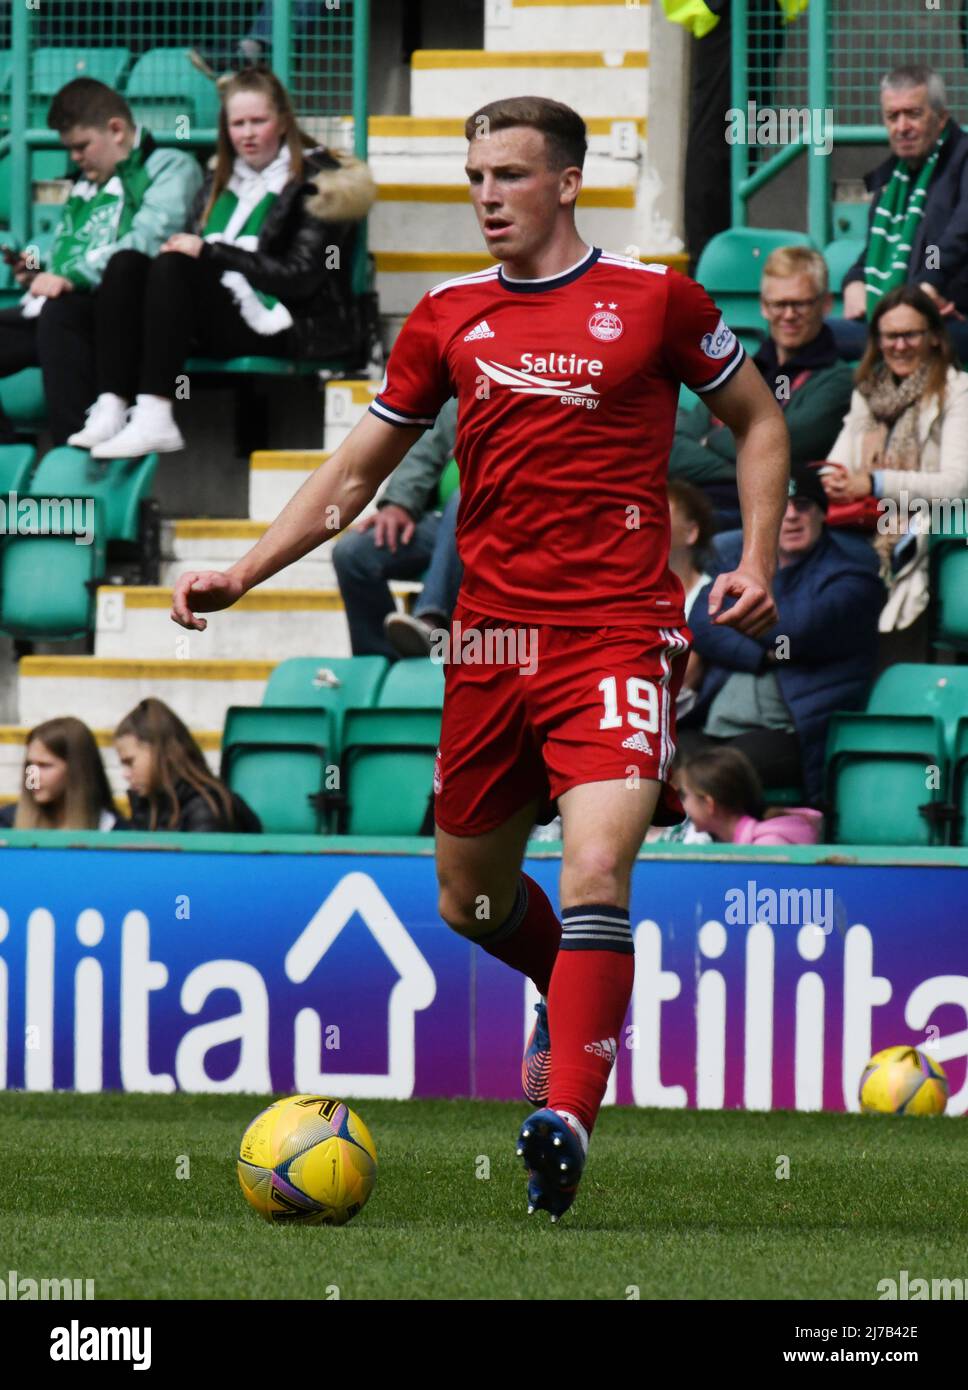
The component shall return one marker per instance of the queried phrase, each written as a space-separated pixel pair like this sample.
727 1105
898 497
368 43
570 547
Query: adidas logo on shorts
639 742
607 1048
482 330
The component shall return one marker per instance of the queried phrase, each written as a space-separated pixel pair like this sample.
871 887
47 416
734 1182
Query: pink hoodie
798 826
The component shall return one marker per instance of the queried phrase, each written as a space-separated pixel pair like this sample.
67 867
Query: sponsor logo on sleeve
719 343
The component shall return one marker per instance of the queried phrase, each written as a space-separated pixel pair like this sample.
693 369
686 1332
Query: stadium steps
272 620
426 136
347 401
13 738
276 623
102 691
520 25
444 82
276 475
190 543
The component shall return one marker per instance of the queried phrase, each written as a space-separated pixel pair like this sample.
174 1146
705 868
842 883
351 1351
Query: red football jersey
567 390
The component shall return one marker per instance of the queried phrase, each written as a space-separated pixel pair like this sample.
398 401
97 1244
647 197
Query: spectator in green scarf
918 220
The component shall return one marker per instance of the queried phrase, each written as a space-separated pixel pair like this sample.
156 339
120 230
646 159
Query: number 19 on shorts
641 702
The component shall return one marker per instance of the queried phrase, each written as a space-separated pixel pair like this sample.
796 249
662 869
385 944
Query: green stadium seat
121 484
48 583
877 779
959 781
251 366
948 560
164 85
16 463
688 400
414 683
730 268
278 759
22 396
916 687
336 683
840 255
388 770
53 68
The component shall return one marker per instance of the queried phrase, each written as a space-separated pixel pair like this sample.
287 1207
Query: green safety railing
164 56
831 59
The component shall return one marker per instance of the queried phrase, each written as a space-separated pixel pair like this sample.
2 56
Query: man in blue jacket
772 696
917 230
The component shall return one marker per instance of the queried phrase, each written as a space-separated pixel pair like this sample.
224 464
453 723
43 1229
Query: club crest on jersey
605 324
719 343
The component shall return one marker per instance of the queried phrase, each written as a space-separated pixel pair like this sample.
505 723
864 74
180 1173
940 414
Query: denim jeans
364 570
442 580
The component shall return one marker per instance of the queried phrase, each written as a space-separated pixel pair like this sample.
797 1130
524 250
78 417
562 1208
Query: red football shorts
530 712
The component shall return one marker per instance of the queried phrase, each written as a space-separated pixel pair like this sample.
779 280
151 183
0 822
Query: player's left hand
754 611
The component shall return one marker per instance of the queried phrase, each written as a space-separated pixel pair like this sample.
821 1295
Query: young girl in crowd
266 270
721 795
170 785
65 785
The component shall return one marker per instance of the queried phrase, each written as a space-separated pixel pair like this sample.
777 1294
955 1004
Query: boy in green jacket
129 193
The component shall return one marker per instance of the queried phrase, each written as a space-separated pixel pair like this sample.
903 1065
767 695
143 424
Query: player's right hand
203 591
392 526
754 611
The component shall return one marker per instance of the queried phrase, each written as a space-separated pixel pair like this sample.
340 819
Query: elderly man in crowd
917 231
772 696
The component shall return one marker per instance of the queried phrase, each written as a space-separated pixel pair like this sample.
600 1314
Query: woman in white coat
905 443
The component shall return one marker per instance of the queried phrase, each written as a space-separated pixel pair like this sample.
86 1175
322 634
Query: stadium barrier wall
764 978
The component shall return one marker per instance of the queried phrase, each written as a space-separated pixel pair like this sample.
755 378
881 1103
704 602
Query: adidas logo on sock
638 741
606 1048
482 330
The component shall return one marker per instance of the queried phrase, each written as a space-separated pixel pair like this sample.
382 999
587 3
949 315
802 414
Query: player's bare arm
747 406
345 481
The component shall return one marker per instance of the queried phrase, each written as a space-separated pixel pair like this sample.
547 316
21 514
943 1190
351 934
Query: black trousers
61 341
153 313
131 334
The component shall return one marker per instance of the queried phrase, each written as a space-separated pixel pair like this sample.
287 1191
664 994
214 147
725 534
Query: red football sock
591 986
528 940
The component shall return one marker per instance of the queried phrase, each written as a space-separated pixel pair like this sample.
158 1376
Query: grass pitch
674 1204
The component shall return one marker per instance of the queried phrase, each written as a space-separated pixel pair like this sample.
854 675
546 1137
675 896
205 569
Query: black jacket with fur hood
309 217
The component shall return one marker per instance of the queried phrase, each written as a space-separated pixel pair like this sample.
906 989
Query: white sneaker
148 431
103 420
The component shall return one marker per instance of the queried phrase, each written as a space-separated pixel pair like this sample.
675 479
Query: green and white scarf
899 210
237 217
95 217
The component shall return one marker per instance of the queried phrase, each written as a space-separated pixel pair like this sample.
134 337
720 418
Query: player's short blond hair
798 260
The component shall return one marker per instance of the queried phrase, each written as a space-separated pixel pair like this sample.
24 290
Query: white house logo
720 343
605 324
525 382
414 991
